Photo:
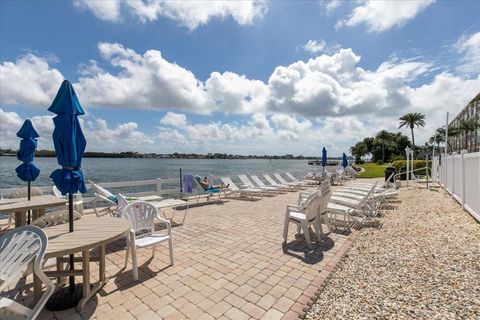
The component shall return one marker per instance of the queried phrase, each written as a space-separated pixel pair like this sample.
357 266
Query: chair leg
170 247
134 263
299 229
306 232
127 253
285 227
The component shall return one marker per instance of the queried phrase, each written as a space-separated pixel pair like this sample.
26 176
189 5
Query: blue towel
187 183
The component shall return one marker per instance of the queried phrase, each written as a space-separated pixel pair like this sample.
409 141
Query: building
470 142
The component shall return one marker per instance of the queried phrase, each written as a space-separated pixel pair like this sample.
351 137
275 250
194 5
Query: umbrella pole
29 197
70 227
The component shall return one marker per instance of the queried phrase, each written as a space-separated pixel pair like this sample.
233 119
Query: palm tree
465 126
437 138
411 120
383 137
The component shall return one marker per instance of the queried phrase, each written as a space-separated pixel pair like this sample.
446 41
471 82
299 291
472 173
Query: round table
89 233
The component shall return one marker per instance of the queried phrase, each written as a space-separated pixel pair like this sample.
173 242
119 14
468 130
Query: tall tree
358 150
383 138
411 120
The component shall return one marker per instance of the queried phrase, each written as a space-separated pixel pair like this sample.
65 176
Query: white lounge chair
297 184
260 184
141 216
308 182
77 202
102 194
289 187
19 248
242 192
249 184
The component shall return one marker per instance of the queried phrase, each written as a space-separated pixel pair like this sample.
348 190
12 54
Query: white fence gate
459 174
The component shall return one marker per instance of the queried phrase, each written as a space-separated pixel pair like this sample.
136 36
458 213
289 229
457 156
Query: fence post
159 186
453 173
462 172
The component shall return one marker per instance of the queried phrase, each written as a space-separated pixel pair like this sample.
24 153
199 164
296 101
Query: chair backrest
141 215
121 203
280 178
54 218
311 205
246 181
257 180
270 180
18 248
23 193
227 180
325 186
100 190
370 192
290 176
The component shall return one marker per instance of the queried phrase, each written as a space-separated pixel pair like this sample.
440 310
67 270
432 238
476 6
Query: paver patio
229 264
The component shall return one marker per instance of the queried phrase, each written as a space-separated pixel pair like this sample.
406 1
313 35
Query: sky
246 77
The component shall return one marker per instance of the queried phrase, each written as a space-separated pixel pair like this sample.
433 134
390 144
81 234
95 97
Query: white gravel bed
424 262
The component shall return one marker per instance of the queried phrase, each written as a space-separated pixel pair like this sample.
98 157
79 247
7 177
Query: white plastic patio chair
260 184
22 193
304 215
141 216
249 184
77 202
242 192
19 248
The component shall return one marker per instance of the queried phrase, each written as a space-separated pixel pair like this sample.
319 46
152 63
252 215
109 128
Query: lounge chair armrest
294 207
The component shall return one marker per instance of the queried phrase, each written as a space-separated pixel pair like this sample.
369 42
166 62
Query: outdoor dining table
89 233
37 204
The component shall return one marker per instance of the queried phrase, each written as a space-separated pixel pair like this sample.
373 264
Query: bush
359 161
398 158
380 162
417 164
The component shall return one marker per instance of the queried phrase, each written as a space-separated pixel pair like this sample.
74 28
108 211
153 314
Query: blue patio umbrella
70 144
324 158
344 160
27 171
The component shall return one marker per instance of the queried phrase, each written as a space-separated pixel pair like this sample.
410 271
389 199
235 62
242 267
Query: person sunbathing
206 185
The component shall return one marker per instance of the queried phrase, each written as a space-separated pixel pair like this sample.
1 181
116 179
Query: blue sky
238 77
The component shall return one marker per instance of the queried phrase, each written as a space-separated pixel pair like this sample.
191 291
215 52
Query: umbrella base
65 298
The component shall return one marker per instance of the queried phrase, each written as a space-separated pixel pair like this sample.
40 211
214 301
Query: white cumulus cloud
469 47
190 14
381 15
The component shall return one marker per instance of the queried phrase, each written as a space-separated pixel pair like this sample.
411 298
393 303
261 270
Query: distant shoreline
175 155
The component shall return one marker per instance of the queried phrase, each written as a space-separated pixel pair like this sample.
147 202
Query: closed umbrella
344 161
27 171
70 144
324 158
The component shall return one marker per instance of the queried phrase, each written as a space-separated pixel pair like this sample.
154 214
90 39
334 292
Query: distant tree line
132 154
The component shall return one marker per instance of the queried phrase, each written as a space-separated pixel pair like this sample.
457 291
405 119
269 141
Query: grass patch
372 170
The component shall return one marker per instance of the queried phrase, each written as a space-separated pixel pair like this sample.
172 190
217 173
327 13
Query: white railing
459 174
150 187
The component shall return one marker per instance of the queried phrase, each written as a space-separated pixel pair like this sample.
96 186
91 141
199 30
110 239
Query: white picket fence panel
460 176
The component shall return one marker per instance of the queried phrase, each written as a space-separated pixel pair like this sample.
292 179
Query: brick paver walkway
229 264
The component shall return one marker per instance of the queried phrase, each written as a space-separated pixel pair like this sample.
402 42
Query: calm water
107 170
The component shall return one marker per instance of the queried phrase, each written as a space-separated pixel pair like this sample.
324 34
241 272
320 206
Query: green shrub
417 164
359 161
398 158
380 162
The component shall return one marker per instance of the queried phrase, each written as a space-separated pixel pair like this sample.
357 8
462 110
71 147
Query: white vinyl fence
459 174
